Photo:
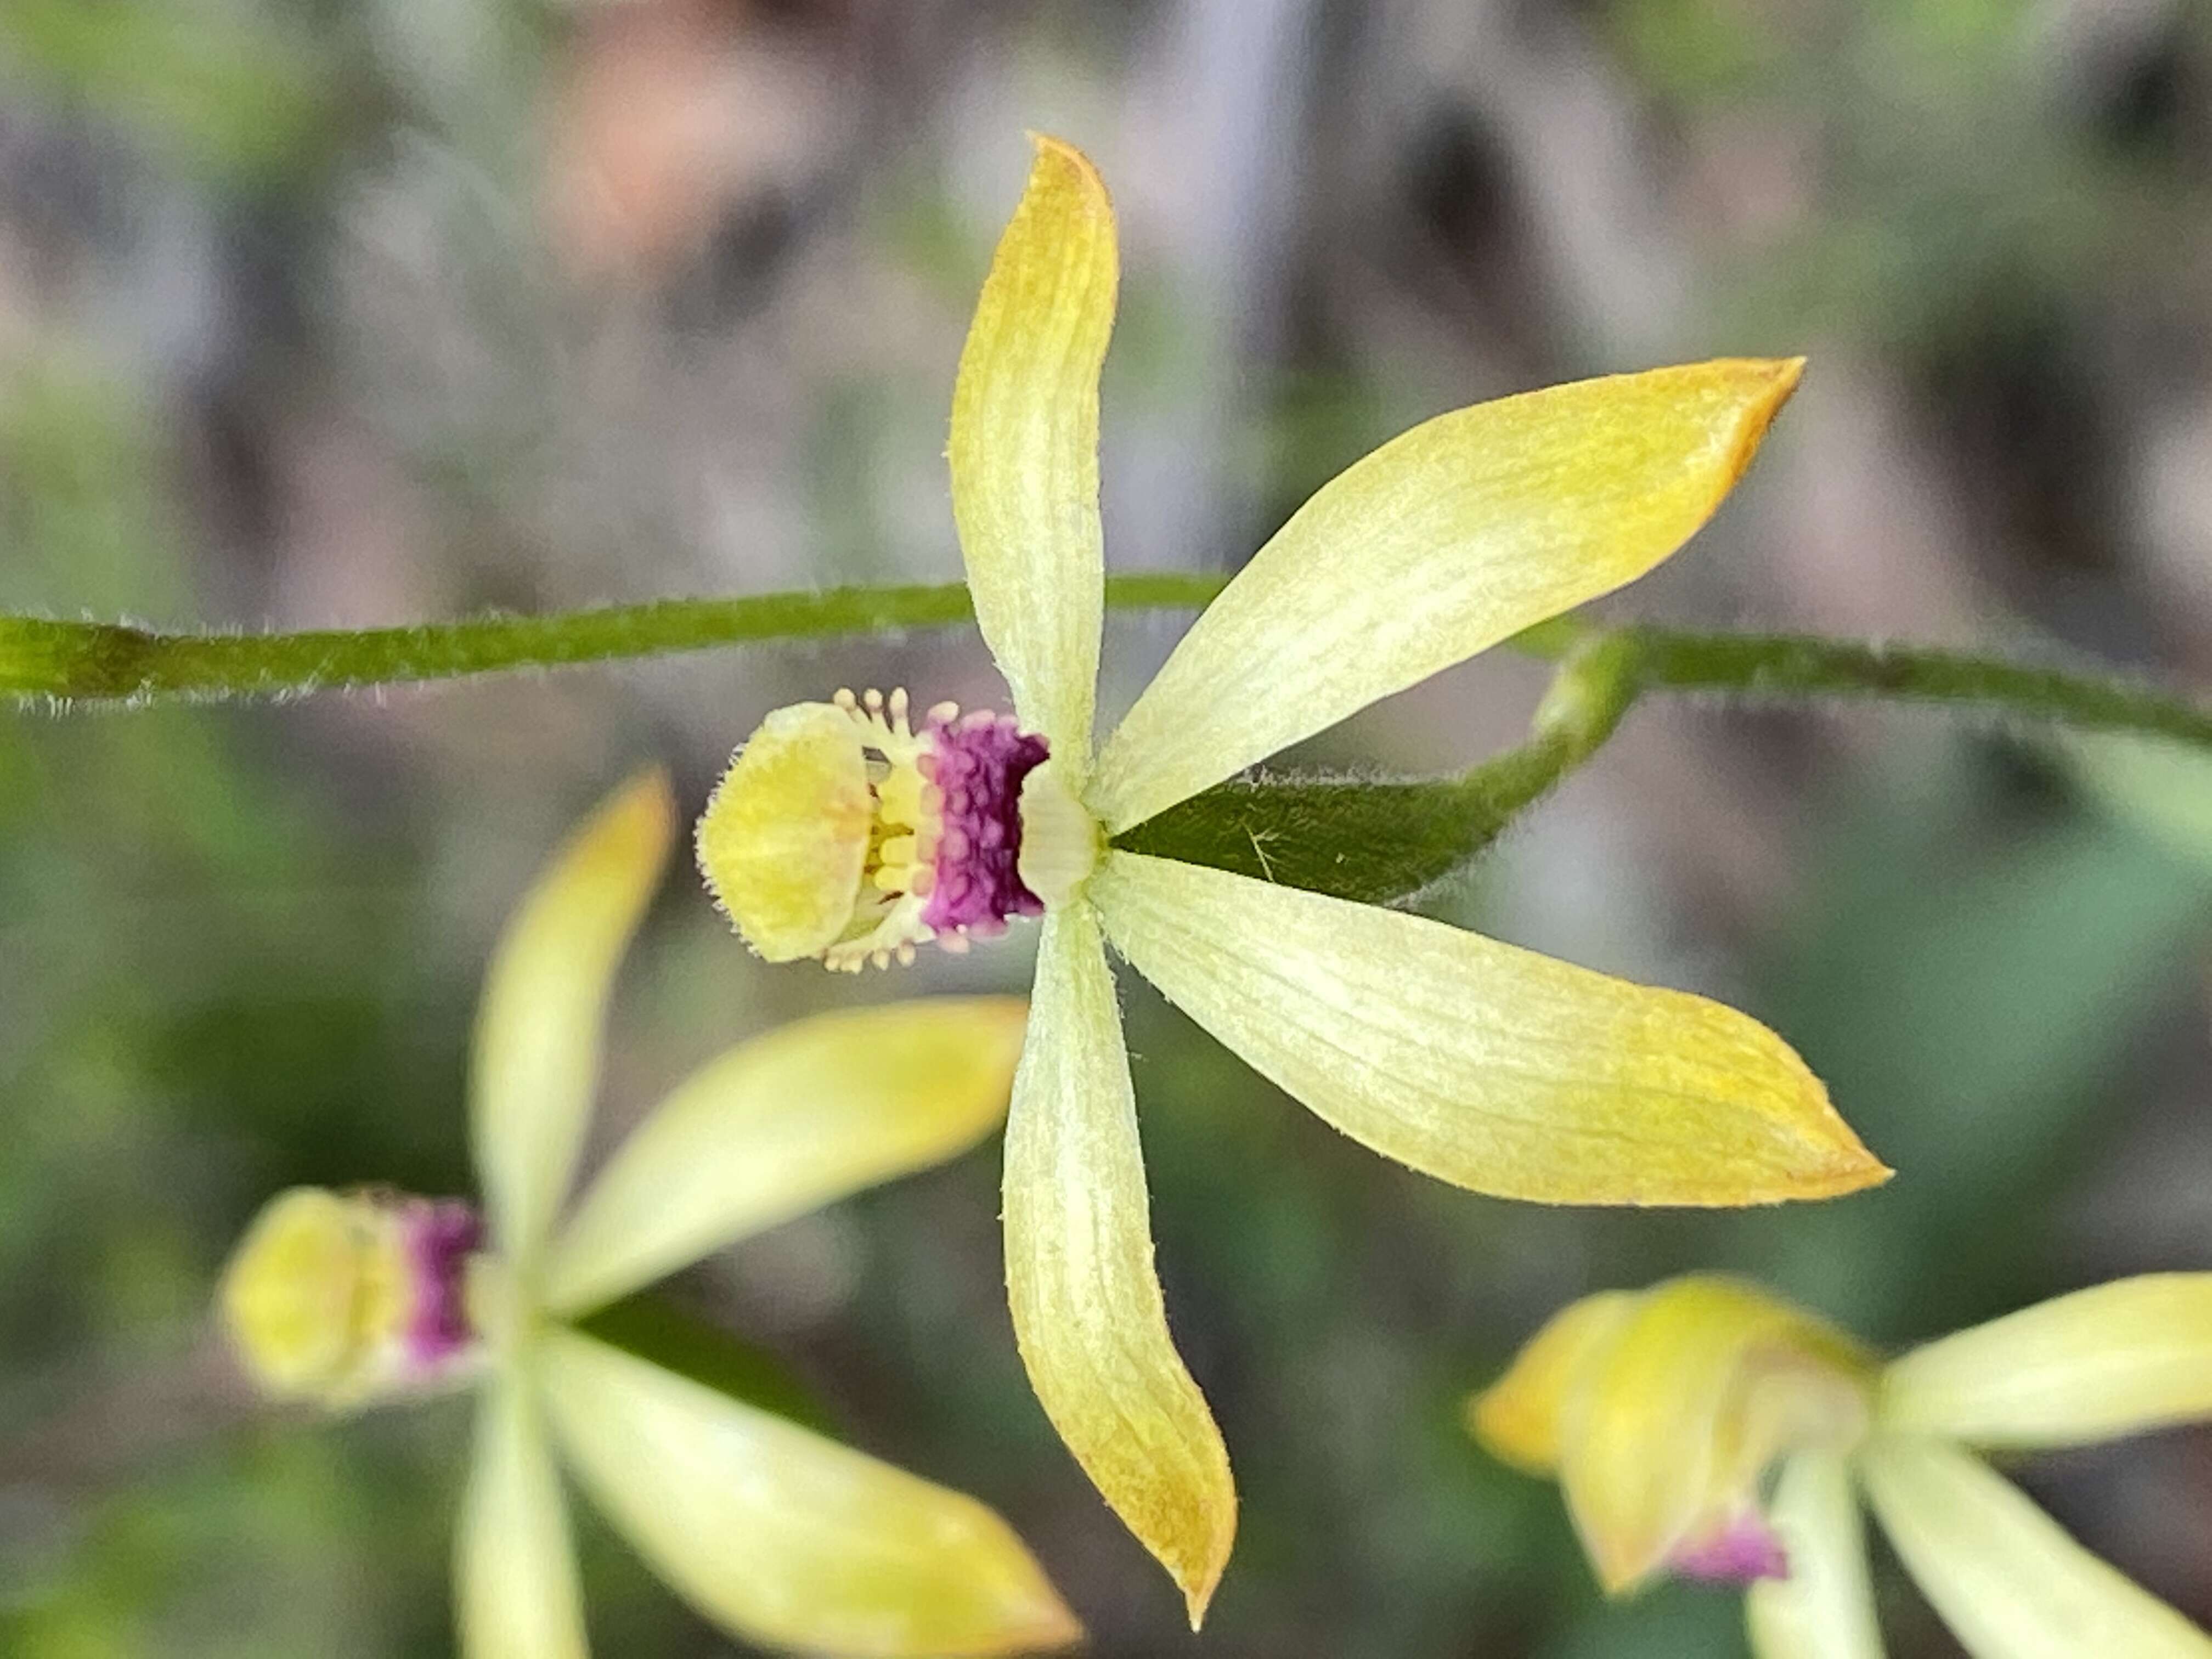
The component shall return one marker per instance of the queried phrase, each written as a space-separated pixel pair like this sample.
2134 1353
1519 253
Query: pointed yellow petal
1518 1417
1488 1066
2114 1359
1687 1400
1439 545
1087 1304
785 1538
514 1569
1024 450
544 1000
1824 1609
2007 1579
783 1125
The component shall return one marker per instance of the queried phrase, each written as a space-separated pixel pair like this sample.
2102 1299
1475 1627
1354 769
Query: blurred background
327 314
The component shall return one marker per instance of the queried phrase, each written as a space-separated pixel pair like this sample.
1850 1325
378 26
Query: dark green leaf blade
1374 840
650 1326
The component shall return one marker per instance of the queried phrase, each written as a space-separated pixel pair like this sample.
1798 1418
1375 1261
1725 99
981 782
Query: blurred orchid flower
775 1534
844 833
1662 1412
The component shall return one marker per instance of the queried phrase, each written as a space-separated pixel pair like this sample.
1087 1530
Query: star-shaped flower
1662 1412
777 1534
843 833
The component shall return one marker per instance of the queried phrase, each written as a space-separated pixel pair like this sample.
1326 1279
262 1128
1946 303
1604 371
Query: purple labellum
977 764
440 1236
1743 1551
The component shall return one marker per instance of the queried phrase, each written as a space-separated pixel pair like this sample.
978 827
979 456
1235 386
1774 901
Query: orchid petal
2004 1576
1681 1407
1518 1417
1439 545
783 1537
784 1124
1824 1608
538 1036
515 1585
1491 1067
2114 1359
1086 1302
1025 449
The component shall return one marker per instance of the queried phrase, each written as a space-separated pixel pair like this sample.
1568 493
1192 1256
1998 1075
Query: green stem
1796 667
105 662
70 662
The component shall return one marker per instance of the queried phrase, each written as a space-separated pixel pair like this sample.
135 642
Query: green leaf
1375 841
650 1326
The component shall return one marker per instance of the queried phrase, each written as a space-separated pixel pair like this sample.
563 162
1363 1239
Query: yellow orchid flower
844 833
777 1534
1662 1412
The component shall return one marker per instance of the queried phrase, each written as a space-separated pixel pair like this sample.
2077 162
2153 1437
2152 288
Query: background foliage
323 314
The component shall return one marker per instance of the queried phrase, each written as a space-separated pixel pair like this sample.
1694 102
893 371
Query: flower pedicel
778 1535
1660 1412
849 832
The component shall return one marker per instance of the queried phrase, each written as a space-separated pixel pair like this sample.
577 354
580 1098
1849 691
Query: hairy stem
106 662
1800 667
51 662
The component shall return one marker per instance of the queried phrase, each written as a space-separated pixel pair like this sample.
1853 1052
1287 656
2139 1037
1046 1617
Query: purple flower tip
1743 1551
